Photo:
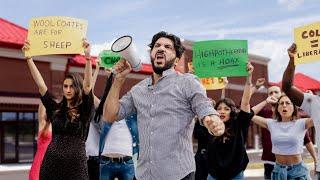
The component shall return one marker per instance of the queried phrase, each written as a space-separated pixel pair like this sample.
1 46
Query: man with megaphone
165 104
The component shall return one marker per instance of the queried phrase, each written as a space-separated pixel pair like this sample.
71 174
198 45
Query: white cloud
291 4
118 8
97 48
276 50
282 27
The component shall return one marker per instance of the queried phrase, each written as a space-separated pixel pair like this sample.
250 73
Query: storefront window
19 130
9 142
26 142
9 116
26 116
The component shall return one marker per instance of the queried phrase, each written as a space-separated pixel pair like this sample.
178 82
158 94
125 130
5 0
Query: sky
267 25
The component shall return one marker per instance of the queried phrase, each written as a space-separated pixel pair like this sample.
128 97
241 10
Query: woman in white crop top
287 134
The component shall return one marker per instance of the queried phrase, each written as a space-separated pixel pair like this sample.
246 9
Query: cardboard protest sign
220 58
109 58
56 35
307 39
210 83
213 83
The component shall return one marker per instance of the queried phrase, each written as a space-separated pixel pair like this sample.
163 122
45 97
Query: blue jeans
240 176
318 175
121 170
296 171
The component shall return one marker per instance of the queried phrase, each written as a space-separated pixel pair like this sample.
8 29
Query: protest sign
220 58
213 83
56 35
210 83
307 39
109 58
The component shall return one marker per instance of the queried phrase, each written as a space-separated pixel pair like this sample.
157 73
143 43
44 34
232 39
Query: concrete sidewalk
20 171
14 171
253 173
14 167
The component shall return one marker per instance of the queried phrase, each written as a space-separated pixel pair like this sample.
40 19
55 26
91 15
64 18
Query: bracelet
88 58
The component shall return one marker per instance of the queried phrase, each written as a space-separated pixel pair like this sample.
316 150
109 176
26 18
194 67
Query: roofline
259 57
14 24
10 45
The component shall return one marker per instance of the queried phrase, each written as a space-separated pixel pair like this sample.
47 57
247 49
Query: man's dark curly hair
175 39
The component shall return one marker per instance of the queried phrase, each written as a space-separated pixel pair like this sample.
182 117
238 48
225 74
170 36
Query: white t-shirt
287 137
118 140
92 143
311 105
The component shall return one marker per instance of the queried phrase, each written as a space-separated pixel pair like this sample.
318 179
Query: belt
117 159
94 158
289 167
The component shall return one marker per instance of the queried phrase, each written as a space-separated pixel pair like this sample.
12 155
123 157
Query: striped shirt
165 112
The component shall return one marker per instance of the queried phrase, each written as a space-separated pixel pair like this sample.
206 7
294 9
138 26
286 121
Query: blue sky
267 25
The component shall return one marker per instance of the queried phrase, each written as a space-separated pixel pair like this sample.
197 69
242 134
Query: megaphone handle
113 73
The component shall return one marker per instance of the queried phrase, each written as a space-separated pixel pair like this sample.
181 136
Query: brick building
19 95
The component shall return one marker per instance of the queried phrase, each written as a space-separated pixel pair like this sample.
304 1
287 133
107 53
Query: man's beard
159 70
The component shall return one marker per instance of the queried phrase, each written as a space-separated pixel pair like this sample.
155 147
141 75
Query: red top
44 139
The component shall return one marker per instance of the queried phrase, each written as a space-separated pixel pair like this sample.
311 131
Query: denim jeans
240 176
318 175
121 170
93 167
268 168
296 171
201 165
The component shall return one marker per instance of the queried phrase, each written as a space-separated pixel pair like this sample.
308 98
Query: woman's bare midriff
288 159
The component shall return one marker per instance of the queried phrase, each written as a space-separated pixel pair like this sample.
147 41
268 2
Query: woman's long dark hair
107 88
233 115
72 113
77 83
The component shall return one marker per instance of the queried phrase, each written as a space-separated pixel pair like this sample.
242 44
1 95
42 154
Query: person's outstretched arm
95 73
94 80
245 101
259 83
87 80
112 104
312 151
313 154
223 90
36 75
287 80
260 121
270 100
